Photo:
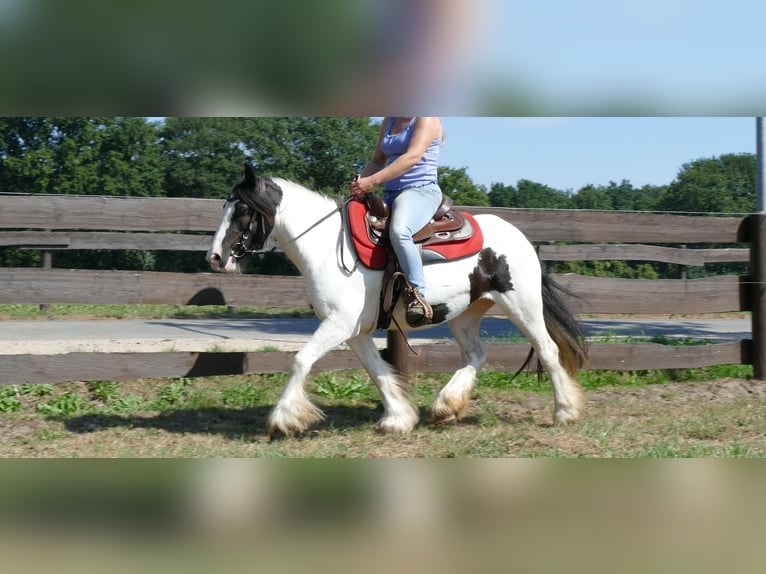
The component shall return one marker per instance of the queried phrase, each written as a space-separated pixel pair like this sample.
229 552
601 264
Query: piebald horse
264 214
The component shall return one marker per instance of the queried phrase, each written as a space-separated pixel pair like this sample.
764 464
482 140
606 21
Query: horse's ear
249 175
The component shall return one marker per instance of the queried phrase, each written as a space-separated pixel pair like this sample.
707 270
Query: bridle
259 222
239 249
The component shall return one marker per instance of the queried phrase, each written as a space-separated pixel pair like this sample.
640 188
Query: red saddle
452 235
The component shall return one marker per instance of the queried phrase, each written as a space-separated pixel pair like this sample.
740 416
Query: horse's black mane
261 193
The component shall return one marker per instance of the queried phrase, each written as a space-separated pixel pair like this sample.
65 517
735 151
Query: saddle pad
374 256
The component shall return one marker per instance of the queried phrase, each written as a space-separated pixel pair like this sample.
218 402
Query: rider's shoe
419 312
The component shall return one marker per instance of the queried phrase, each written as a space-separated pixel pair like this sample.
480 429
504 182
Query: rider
405 161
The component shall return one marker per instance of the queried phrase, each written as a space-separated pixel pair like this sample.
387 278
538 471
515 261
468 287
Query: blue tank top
422 173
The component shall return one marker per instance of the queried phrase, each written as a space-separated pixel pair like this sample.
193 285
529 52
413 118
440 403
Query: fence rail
52 223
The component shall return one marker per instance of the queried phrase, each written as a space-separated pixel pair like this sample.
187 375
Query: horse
265 214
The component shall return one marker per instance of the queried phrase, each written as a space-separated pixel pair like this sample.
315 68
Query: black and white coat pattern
307 226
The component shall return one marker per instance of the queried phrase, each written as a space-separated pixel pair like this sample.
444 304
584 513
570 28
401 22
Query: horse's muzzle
214 259
218 265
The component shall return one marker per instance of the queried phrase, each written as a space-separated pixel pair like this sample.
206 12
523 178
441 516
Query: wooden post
757 293
46 262
396 352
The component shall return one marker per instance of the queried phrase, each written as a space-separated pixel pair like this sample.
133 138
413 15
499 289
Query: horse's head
246 222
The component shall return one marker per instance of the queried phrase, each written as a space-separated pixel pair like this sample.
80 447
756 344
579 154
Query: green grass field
711 412
714 412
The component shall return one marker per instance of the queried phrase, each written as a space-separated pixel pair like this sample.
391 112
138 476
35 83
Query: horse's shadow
233 424
250 424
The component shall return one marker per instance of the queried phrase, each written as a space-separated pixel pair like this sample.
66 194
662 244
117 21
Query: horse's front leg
399 413
294 412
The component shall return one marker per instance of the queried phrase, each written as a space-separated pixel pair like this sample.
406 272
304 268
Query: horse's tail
562 326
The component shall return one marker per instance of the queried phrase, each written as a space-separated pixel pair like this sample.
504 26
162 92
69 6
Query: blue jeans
411 210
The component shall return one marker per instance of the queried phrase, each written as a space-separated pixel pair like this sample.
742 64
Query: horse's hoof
440 418
275 433
284 423
566 417
392 427
282 430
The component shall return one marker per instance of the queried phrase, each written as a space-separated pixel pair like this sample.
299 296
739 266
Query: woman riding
405 161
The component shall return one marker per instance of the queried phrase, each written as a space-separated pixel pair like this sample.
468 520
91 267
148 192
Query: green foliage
9 402
598 379
105 391
66 405
619 269
13 257
129 403
36 390
346 386
328 152
592 197
458 185
675 342
529 194
172 394
724 184
241 396
80 155
203 157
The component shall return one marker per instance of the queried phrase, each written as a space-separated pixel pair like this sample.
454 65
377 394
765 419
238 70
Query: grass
711 412
708 412
591 380
72 311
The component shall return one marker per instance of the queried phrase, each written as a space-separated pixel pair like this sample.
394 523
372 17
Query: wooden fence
52 223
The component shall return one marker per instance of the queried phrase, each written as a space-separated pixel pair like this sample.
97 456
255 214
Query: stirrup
419 312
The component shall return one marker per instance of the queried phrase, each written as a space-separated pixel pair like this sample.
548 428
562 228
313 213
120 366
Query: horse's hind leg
568 396
453 399
400 414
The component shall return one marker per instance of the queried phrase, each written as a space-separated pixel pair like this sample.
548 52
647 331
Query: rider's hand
361 186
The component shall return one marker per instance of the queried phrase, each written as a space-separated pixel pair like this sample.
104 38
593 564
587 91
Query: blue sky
667 57
568 153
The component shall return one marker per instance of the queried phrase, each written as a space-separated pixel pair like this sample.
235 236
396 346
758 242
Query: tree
621 195
724 184
501 195
458 185
204 156
130 159
105 156
332 150
592 197
538 195
649 197
529 194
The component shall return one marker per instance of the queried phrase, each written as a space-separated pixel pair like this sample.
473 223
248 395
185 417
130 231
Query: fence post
46 262
757 293
396 352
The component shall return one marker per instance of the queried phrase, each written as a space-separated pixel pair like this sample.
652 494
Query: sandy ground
138 336
140 346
